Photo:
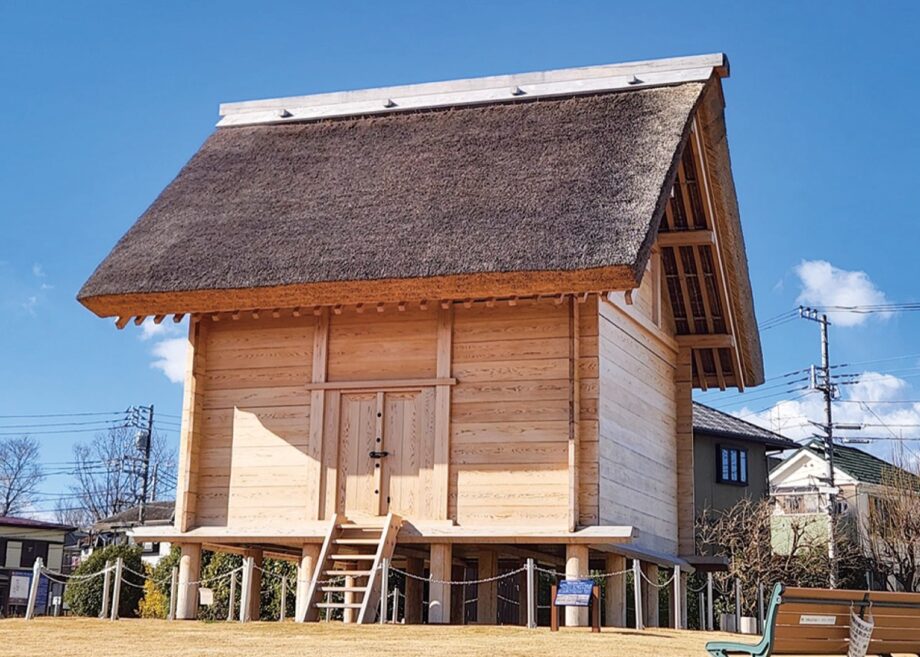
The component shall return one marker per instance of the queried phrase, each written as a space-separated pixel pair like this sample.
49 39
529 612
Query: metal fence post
384 583
33 588
676 594
116 588
232 602
531 595
760 613
737 604
106 585
710 621
637 593
173 590
283 598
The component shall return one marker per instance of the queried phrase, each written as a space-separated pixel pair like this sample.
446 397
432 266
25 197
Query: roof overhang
476 91
305 295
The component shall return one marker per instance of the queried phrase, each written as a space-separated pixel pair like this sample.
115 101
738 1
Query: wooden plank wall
638 424
510 414
253 455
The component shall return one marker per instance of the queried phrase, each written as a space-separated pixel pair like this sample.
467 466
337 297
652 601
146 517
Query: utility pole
827 387
144 442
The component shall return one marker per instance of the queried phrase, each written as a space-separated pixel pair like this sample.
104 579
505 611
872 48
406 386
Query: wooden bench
817 622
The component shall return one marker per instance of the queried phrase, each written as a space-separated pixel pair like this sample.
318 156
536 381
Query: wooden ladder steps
353 557
339 605
357 541
348 573
343 589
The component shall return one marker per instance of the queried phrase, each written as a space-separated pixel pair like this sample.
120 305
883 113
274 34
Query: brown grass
81 637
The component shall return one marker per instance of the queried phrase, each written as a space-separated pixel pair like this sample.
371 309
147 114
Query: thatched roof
551 185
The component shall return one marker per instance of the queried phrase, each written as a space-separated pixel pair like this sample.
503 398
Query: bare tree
744 535
20 474
892 528
107 472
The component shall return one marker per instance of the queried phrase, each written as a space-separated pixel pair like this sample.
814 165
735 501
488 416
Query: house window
31 550
732 466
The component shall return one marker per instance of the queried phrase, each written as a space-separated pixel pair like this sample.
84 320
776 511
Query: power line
42 415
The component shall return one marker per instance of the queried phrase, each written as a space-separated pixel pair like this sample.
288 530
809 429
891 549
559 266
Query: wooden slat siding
637 427
328 502
574 451
255 416
510 414
588 492
318 374
685 486
440 490
187 486
393 345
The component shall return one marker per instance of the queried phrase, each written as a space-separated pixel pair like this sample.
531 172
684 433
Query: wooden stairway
349 566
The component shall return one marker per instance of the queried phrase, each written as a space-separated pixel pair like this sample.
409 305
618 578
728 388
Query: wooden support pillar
349 614
438 592
686 509
443 368
414 566
458 597
615 592
487 592
576 567
189 574
649 594
255 586
309 554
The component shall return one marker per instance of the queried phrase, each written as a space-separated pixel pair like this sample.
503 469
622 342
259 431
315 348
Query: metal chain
458 583
557 574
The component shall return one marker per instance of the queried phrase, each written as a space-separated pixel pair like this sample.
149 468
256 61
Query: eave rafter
694 274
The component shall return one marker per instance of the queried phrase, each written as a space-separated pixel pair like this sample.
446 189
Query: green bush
213 565
84 596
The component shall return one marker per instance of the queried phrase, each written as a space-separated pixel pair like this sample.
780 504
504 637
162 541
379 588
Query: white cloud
170 358
37 270
826 285
790 417
30 304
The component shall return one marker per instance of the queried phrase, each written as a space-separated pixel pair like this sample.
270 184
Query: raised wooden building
448 323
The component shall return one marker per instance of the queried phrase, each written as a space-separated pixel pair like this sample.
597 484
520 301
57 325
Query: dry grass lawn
81 637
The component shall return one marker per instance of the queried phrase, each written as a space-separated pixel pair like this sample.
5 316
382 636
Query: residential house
447 324
800 487
22 541
731 458
119 529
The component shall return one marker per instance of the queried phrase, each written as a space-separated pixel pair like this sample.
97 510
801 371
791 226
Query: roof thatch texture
551 185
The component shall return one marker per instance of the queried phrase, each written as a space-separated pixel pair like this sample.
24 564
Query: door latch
378 455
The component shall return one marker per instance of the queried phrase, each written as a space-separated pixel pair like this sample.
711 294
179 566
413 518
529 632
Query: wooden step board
352 550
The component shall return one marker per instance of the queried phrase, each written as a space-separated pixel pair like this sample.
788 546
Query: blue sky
104 102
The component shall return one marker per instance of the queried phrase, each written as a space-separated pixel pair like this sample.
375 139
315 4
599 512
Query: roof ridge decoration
476 91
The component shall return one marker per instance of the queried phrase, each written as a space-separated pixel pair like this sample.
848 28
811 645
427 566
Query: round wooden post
637 593
231 604
531 595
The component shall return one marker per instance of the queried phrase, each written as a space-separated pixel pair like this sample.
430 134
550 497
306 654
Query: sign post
576 593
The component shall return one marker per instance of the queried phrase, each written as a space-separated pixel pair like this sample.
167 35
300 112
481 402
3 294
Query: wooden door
359 493
386 453
408 439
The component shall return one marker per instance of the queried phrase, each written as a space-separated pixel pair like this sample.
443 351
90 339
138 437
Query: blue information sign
574 593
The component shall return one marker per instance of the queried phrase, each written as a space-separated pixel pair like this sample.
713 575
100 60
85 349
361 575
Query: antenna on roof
389 103
517 91
283 113
635 80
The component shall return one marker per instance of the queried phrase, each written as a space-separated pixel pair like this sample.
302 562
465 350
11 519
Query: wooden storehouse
453 324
